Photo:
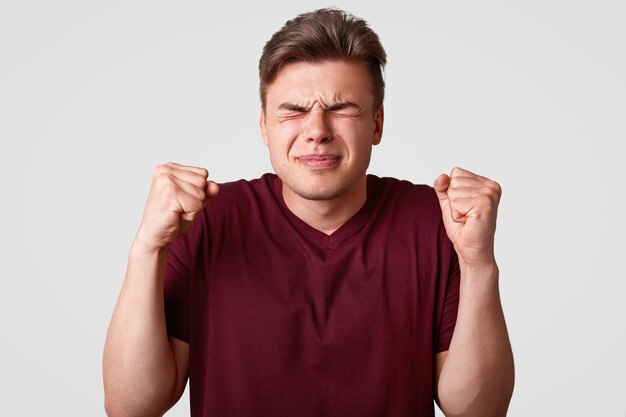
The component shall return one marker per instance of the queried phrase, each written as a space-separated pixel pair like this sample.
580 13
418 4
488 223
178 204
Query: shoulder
261 184
242 202
399 193
243 191
410 213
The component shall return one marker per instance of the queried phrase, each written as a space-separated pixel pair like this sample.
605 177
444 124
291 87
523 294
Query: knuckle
195 194
199 182
453 192
484 199
162 169
193 206
168 188
162 179
494 190
188 216
496 187
201 195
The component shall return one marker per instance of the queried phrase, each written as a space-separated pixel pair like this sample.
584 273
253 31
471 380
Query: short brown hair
325 34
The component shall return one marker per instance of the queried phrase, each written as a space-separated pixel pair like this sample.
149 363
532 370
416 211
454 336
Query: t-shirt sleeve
448 298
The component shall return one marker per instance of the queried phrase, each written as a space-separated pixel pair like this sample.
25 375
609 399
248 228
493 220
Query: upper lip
318 157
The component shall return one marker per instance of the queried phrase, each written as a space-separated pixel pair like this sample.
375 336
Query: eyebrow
333 107
291 107
341 106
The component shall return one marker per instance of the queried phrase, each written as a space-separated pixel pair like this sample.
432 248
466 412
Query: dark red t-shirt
283 320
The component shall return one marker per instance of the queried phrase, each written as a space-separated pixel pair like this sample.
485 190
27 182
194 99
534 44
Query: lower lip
318 163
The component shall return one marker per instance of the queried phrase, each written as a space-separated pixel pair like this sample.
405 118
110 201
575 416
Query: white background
94 95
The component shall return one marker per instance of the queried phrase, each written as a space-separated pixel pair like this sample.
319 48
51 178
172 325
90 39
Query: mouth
317 161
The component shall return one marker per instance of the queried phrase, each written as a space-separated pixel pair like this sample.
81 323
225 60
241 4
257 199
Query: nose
318 128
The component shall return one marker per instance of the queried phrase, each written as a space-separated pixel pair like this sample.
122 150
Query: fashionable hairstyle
324 35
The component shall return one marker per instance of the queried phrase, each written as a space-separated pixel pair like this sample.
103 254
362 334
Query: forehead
327 80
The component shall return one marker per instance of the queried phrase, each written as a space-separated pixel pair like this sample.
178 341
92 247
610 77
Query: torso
286 320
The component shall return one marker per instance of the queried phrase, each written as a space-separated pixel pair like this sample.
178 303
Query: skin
144 371
319 125
475 377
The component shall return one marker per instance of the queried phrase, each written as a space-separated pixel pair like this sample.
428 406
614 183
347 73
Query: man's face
319 125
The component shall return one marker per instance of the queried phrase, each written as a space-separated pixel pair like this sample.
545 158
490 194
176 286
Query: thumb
441 185
211 189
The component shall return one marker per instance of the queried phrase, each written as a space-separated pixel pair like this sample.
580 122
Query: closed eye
290 110
344 109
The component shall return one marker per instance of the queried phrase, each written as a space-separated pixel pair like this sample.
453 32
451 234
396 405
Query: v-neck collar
339 236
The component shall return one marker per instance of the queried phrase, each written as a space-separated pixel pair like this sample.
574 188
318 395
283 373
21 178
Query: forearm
139 366
478 374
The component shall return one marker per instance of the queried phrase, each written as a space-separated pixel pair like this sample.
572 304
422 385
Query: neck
327 215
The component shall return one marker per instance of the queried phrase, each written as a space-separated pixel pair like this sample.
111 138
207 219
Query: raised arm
145 372
475 377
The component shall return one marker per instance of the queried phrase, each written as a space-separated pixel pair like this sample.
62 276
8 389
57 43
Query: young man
319 290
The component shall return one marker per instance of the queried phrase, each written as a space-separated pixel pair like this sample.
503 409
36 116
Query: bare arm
476 374
475 377
145 372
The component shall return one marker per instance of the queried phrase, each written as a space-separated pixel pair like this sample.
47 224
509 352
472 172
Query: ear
379 121
262 125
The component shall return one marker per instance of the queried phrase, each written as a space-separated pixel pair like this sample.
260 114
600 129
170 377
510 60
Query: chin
321 191
318 194
321 187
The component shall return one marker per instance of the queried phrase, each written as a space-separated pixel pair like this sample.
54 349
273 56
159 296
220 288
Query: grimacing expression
320 125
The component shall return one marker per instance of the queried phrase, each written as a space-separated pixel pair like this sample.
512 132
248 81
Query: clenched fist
178 193
469 205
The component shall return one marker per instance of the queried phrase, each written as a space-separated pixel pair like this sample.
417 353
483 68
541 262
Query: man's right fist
178 193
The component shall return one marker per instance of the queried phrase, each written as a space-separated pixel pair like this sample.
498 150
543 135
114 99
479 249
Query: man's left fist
469 205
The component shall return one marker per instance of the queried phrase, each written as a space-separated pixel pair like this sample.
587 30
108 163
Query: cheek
287 134
358 137
280 139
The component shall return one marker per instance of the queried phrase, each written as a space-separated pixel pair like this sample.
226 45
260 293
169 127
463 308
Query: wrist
486 273
143 248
